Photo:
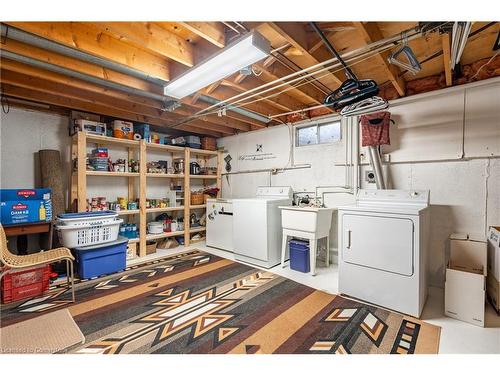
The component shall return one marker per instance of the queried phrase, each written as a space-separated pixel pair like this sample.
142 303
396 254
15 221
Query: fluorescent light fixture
459 36
237 55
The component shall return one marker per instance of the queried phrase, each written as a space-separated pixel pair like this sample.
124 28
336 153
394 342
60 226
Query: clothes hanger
412 64
352 90
369 105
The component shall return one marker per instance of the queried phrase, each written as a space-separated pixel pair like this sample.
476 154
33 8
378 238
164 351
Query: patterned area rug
196 302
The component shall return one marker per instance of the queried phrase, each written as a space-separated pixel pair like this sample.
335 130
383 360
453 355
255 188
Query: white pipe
356 182
385 43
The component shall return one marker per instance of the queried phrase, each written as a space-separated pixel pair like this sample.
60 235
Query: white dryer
220 223
257 225
383 241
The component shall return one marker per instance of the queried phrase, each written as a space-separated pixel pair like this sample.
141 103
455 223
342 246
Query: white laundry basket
88 228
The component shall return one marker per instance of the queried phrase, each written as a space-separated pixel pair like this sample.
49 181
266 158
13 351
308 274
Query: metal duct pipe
84 77
376 164
241 111
34 40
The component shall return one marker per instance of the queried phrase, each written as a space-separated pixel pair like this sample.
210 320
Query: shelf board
112 174
128 212
196 229
134 240
150 237
164 209
168 148
203 176
101 139
196 151
197 206
164 175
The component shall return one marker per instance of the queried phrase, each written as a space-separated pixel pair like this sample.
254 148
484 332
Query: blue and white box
25 206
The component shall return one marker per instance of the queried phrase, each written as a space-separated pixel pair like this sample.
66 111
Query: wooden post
142 198
82 171
187 196
131 180
73 174
445 40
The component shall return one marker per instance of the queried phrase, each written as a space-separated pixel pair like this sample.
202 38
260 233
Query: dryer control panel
388 196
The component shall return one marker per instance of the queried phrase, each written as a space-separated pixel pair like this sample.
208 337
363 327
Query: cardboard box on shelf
25 206
131 250
466 279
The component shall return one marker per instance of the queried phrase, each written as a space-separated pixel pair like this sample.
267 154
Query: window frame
317 125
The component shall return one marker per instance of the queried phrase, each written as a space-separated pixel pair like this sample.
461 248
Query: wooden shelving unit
138 150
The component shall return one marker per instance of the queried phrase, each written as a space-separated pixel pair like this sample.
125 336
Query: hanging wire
482 66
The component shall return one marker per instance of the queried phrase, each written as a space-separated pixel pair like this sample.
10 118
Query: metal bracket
170 105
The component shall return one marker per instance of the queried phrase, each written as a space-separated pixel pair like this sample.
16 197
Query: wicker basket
208 143
197 198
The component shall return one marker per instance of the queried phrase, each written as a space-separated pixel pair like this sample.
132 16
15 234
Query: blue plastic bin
97 260
299 255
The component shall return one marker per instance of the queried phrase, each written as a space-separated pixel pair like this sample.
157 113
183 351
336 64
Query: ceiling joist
372 33
88 39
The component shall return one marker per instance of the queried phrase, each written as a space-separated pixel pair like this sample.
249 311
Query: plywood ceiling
164 50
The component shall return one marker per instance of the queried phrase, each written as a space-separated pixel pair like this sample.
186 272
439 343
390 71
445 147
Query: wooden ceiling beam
149 36
445 40
213 32
130 109
282 101
77 83
371 33
306 92
296 35
87 39
111 97
79 66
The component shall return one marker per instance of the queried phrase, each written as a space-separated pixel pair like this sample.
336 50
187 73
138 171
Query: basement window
318 134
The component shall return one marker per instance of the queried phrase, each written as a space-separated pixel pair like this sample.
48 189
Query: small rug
196 302
48 333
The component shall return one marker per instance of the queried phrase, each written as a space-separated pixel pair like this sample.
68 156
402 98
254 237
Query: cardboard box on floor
493 280
466 279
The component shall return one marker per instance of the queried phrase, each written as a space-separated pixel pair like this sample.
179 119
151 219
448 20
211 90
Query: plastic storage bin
299 255
97 260
25 284
88 228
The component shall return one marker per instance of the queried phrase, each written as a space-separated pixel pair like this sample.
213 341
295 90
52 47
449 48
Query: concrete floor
456 337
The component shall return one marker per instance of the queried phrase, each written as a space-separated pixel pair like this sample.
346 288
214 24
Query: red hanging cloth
375 129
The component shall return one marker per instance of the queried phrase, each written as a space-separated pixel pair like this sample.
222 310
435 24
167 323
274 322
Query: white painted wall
464 193
23 133
446 141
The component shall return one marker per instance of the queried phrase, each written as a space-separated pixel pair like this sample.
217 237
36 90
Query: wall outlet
370 177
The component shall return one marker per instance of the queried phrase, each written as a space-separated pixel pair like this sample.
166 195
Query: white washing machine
383 241
257 225
220 224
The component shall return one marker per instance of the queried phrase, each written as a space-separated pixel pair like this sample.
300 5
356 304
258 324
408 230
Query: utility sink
307 219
